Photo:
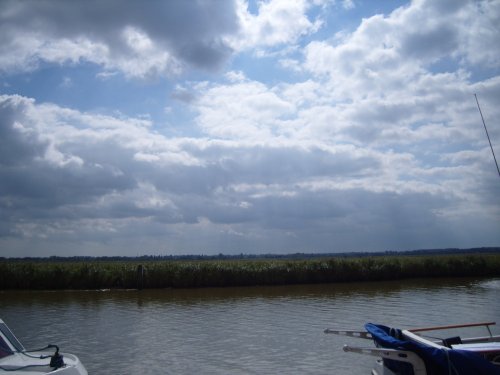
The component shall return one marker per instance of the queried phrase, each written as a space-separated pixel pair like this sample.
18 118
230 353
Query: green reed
98 274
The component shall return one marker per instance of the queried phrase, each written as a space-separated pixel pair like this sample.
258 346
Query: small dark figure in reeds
141 270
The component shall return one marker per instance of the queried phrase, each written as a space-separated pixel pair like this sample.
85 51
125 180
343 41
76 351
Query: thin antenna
482 118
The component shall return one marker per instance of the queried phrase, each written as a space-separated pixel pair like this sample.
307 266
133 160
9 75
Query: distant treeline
220 256
193 273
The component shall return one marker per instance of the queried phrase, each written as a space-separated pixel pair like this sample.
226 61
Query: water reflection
261 330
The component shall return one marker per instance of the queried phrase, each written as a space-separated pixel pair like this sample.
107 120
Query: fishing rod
487 135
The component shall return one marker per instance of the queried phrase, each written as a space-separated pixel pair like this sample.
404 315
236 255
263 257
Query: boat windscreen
4 348
10 337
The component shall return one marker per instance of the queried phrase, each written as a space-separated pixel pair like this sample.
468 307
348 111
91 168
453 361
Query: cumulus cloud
369 147
161 38
384 68
409 38
275 23
244 109
70 173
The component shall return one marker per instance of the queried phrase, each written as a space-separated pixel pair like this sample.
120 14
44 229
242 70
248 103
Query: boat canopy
438 360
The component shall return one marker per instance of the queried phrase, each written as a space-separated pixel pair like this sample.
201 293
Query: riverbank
48 274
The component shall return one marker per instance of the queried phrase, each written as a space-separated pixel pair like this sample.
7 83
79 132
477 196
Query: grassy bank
207 273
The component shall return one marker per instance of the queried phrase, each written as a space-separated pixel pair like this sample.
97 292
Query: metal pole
487 135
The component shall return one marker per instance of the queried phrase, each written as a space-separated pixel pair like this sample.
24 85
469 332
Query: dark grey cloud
16 145
192 31
446 6
95 177
32 185
75 178
286 163
375 151
431 43
227 165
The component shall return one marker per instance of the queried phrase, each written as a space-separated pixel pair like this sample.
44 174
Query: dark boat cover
437 361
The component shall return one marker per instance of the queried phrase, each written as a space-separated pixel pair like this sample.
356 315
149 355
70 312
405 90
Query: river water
255 330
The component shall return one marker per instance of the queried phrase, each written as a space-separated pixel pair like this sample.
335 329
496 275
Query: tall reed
221 273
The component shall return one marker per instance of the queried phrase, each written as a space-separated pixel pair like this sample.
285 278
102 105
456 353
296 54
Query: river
254 330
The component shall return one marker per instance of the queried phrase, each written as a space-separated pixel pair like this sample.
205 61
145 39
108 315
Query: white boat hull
14 359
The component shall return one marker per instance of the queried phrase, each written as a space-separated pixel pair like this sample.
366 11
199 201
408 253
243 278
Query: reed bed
48 275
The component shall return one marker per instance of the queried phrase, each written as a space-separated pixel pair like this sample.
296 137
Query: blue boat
414 352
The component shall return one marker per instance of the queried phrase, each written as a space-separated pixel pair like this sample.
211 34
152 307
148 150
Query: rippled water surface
261 330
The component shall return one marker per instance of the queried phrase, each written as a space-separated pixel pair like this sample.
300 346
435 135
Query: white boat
416 352
14 358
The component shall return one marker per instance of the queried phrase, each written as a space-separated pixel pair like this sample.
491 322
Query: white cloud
112 179
139 41
143 58
348 4
408 39
238 76
278 22
27 49
381 82
375 144
245 110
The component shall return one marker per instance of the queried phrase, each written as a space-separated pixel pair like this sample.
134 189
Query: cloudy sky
278 126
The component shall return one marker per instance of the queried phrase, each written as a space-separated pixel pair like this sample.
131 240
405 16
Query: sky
205 127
